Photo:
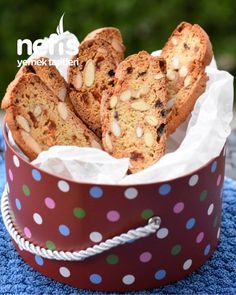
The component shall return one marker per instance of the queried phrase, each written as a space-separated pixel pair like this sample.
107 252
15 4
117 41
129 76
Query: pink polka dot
218 180
145 257
178 207
200 237
49 202
27 232
113 215
10 174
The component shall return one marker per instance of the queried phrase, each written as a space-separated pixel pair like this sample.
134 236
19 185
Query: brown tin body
60 214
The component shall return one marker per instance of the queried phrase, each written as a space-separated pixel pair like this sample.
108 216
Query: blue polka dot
164 189
160 274
96 192
18 204
36 175
190 223
214 166
39 260
64 230
95 278
207 249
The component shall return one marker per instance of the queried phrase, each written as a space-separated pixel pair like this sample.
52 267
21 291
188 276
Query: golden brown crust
97 64
134 112
187 53
38 120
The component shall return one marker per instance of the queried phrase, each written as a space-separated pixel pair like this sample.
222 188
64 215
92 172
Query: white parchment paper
196 142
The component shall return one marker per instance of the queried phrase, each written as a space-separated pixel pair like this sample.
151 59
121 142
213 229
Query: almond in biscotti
42 120
98 61
187 53
140 110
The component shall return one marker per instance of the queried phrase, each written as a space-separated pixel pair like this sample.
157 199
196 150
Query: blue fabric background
217 276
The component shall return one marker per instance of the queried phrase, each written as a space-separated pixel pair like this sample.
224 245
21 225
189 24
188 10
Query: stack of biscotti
130 106
39 120
99 55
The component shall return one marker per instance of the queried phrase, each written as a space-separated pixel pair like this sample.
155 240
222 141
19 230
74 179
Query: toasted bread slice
39 120
134 112
187 53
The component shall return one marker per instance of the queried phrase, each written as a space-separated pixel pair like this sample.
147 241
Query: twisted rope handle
131 235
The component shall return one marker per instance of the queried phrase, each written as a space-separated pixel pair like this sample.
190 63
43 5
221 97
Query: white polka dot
128 279
193 180
64 271
63 186
95 237
162 233
187 264
37 218
218 233
16 161
210 209
131 193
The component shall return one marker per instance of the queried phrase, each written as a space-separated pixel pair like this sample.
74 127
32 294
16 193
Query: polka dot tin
59 214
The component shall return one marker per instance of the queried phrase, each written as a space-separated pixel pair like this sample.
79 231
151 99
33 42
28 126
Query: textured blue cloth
217 276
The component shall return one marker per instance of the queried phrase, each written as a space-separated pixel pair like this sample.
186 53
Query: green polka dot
215 221
79 212
147 213
176 249
112 259
26 190
50 245
203 195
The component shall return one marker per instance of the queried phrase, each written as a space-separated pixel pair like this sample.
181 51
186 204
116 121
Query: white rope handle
131 235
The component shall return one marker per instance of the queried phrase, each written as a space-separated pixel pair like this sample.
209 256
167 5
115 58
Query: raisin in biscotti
98 61
38 120
187 53
134 112
50 76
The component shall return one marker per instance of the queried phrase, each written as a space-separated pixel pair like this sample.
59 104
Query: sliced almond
95 144
108 142
175 62
117 45
125 95
170 75
62 110
174 41
23 123
187 81
183 71
115 128
62 93
170 103
37 111
151 120
159 76
143 91
148 139
139 132
113 101
30 142
140 105
89 73
78 80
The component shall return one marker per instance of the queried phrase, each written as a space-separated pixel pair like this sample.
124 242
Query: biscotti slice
111 35
95 73
38 120
49 74
187 53
134 113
